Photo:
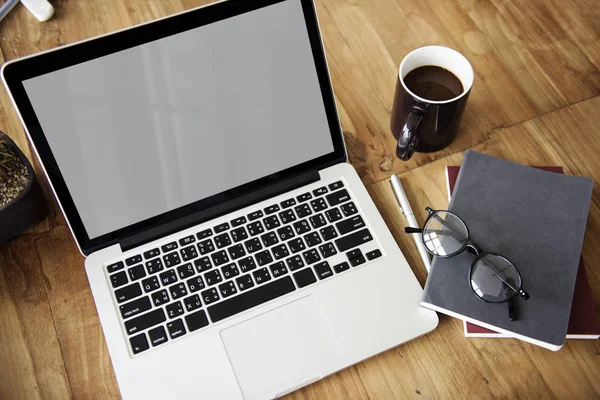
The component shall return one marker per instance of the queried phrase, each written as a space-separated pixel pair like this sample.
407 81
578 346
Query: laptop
232 251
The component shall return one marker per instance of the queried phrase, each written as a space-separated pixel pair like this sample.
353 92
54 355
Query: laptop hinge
156 232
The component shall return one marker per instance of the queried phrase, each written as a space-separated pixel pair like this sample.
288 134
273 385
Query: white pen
410 218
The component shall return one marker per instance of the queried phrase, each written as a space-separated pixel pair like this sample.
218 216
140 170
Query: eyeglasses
493 277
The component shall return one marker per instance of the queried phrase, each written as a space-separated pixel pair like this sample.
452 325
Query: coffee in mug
433 85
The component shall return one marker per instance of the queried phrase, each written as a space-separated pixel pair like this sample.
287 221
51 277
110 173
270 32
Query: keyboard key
328 233
261 275
303 210
251 298
154 266
333 215
255 228
255 215
222 240
177 291
135 307
253 245
118 279
317 221
187 240
349 209
354 254
133 260
196 320
192 303
350 224
341 267
271 222
280 251
168 277
296 245
374 254
327 250
202 264
206 246
128 292
338 197
189 253
157 336
272 209
278 269
221 227
160 298
236 251
213 277
304 197
204 234
294 263
239 234
230 271
176 328
145 321
115 267
304 277
219 258
172 259
185 271
263 258
238 221
312 239
287 216
168 247
174 309
302 227
320 191
311 256
139 343
269 239
353 240
227 289
247 264
137 272
150 284
336 185
194 284
151 253
245 282
323 270
287 203
358 261
318 204
285 233
210 296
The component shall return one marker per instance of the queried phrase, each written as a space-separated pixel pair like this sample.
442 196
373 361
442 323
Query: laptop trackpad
281 349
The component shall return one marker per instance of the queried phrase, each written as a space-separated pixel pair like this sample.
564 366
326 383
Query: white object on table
410 218
41 9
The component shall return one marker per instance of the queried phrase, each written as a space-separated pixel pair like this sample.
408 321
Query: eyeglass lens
445 234
494 278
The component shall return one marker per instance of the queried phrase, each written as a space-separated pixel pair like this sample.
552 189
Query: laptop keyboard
185 285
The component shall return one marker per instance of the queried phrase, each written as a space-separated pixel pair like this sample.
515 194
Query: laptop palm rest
279 350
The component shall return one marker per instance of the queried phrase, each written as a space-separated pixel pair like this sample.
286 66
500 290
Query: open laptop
199 162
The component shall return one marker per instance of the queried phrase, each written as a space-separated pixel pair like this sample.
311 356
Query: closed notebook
537 220
584 320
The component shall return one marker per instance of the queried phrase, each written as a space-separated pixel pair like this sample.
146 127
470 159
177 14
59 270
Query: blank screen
152 128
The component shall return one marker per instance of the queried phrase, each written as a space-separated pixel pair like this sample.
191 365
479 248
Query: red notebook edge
584 322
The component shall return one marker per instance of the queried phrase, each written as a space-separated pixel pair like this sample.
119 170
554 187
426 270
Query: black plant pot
27 209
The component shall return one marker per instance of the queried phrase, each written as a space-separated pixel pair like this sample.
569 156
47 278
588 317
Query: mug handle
407 141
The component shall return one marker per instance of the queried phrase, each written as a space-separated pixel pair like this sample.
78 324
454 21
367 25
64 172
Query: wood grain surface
535 101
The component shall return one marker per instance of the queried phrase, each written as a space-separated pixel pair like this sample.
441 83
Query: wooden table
535 101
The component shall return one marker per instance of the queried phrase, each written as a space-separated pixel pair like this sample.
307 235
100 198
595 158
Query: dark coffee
433 83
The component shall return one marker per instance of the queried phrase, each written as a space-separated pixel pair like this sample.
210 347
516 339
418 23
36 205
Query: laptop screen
149 129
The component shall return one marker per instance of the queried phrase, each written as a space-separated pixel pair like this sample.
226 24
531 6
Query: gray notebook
534 218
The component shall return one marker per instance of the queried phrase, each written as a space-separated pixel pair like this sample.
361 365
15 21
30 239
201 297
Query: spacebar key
353 240
251 298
